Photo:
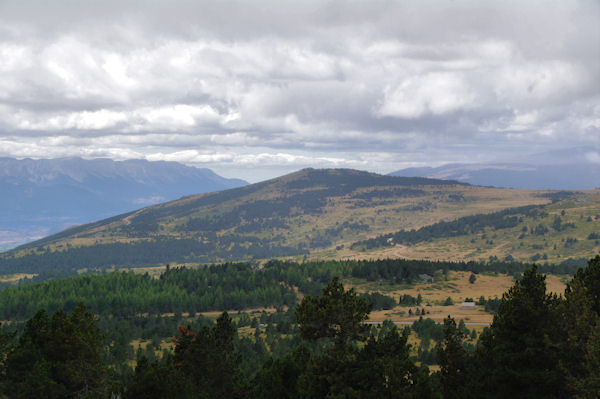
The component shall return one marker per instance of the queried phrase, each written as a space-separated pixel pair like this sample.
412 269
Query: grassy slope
337 208
583 211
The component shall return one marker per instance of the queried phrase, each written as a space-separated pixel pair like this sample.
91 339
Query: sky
257 89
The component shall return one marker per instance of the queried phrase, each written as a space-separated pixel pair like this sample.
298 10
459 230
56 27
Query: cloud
85 120
593 157
433 93
245 84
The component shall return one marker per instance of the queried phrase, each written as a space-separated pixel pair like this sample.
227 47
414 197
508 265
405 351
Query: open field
437 313
455 286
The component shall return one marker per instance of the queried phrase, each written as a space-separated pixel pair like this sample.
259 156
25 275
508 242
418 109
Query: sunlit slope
554 233
308 213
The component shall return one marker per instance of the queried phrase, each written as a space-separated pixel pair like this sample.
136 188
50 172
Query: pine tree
519 354
58 356
336 314
580 358
209 358
159 379
6 347
454 362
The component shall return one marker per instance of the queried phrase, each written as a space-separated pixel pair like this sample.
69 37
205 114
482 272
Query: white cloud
433 94
293 83
14 57
593 157
533 83
117 70
178 116
85 120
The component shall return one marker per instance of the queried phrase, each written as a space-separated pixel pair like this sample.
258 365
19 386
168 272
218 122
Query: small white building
467 305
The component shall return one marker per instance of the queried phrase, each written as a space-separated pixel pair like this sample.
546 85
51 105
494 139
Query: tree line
463 226
228 286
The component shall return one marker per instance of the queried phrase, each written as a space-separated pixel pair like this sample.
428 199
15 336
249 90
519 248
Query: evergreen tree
519 354
588 385
336 314
384 369
279 378
6 347
209 358
58 357
159 379
580 357
454 362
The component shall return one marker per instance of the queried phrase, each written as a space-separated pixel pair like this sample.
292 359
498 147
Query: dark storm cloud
263 87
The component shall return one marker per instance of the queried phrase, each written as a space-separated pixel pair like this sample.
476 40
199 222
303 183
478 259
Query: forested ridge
225 286
144 253
539 345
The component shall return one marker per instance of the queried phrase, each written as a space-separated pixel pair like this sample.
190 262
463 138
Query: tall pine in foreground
205 364
519 356
454 362
382 368
581 316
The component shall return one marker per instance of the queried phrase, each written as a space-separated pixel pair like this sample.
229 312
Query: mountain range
572 169
40 197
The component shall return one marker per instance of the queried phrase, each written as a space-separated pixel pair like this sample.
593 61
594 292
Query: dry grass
436 312
555 284
139 343
11 278
233 313
505 241
457 287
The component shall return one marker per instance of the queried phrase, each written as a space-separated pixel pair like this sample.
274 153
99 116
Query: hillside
313 213
565 229
48 195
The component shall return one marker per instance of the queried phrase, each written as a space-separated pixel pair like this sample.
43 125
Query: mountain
573 169
318 213
47 195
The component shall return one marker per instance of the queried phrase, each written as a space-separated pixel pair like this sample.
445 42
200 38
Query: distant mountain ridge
47 195
572 169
